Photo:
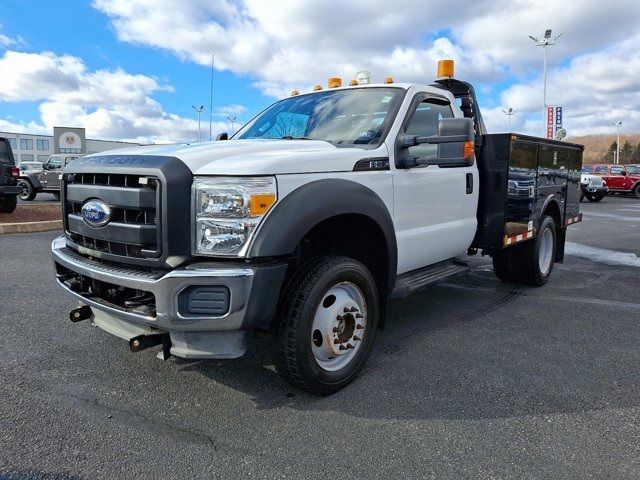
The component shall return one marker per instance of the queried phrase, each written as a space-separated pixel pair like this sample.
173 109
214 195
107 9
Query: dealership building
28 147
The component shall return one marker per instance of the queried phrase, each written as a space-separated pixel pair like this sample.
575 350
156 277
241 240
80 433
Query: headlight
228 210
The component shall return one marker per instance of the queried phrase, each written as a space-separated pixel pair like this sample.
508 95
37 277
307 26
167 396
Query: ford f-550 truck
306 221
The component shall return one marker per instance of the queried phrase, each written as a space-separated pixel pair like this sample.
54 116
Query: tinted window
587 169
617 170
633 169
601 170
5 155
55 162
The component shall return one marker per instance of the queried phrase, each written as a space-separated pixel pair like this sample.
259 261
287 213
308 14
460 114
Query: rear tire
636 191
534 259
322 343
8 204
27 193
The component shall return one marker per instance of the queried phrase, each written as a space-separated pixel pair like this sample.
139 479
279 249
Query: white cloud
293 44
109 104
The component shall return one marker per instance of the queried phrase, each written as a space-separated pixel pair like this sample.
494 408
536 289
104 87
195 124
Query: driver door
50 172
434 207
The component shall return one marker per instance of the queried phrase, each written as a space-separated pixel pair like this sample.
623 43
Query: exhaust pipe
80 313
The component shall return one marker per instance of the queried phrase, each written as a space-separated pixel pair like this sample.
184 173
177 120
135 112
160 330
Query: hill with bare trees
599 148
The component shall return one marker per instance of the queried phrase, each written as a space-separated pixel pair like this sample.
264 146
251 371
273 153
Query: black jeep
8 178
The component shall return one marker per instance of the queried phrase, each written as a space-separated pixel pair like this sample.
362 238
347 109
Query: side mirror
222 136
45 166
624 173
455 142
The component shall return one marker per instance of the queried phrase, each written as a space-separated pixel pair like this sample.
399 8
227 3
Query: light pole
544 43
211 98
199 111
509 113
233 121
619 126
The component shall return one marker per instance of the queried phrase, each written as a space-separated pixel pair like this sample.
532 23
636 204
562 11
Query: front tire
327 321
27 192
636 191
8 204
594 197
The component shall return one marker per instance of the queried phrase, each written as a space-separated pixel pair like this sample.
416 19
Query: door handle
469 183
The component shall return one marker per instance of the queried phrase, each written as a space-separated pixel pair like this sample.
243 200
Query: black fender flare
307 206
33 179
548 201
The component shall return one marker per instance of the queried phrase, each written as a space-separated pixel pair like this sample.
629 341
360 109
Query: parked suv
619 178
32 182
592 187
8 176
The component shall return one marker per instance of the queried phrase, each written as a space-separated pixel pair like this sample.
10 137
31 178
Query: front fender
311 204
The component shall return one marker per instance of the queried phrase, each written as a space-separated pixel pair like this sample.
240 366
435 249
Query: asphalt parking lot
471 379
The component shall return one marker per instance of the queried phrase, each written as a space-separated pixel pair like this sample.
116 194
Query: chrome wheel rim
339 326
546 252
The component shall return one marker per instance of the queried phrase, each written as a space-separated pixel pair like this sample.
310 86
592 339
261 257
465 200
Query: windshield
357 116
633 169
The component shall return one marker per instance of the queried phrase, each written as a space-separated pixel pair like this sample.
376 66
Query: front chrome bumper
192 336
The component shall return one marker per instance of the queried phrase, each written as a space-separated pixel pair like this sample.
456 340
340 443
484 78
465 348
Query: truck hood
258 157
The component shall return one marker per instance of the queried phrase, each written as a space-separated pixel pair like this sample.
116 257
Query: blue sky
131 69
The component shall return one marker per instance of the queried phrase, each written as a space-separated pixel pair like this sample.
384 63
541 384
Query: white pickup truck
306 221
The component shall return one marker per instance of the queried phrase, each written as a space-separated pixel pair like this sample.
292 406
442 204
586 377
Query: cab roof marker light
388 80
335 82
294 93
364 77
445 69
353 83
317 87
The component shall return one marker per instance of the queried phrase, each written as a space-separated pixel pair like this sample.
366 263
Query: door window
424 123
601 170
54 163
617 171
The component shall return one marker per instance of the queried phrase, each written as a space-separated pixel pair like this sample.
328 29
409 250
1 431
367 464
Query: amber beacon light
445 69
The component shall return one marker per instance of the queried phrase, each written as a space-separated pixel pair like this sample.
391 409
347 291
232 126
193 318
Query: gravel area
32 213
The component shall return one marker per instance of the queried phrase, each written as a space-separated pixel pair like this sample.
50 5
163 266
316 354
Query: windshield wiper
289 137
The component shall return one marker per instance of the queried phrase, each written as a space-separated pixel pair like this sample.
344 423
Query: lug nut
346 310
359 315
335 329
336 341
340 318
354 309
356 338
342 347
350 346
360 327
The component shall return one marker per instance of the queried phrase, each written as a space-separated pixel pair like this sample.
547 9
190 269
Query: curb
31 227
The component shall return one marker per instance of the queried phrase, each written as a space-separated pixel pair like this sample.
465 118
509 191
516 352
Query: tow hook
80 313
142 342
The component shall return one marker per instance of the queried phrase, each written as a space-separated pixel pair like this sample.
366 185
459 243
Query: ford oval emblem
96 213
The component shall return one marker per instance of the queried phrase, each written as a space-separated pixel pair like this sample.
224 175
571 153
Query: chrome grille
133 230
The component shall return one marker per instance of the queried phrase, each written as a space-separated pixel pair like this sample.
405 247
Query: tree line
628 153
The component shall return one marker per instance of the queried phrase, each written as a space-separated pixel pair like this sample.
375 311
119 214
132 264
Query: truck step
415 280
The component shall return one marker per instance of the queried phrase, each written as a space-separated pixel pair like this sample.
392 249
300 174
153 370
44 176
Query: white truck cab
306 221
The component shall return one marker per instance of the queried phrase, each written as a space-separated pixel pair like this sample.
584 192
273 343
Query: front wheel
594 197
27 192
636 191
327 322
8 204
